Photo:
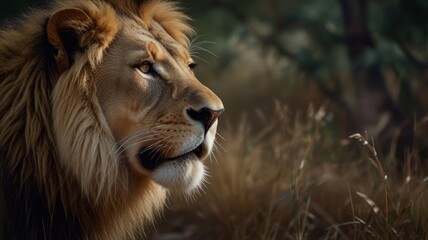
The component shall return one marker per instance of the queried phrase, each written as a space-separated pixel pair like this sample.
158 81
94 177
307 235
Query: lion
100 115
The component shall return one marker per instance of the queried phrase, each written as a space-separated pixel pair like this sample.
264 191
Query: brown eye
145 67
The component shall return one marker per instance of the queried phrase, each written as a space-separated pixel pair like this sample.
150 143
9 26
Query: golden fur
53 126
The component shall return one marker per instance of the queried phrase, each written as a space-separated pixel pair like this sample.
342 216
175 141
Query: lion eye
145 67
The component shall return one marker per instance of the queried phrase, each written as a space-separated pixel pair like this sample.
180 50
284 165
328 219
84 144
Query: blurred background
298 77
366 59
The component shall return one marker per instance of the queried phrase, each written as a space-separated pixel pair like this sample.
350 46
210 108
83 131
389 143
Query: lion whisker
135 134
193 41
203 49
142 140
157 148
139 141
120 149
214 152
222 138
195 56
158 145
158 142
121 143
214 156
169 149
132 139
218 144
203 42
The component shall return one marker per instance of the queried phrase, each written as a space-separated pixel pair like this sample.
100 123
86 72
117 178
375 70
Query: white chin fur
183 176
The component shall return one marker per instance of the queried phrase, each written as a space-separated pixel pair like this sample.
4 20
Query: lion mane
59 176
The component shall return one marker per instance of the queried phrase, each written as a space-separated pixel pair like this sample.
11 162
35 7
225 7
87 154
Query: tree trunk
374 111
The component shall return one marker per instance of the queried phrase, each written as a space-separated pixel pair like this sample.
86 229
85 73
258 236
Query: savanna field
325 130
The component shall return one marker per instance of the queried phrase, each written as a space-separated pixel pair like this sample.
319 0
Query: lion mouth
151 158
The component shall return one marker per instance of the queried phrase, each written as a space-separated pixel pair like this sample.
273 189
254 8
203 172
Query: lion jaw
184 175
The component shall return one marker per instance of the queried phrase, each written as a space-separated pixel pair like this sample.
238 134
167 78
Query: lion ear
67 32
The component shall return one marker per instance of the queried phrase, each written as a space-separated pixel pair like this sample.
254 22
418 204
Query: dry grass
292 180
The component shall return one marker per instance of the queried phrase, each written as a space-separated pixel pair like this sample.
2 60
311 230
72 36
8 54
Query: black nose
206 116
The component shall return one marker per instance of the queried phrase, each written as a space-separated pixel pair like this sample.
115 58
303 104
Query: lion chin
185 176
101 114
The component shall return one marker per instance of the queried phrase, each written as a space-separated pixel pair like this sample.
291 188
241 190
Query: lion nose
205 115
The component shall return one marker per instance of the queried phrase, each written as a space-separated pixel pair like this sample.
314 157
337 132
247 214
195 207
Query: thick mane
26 84
28 76
55 141
168 14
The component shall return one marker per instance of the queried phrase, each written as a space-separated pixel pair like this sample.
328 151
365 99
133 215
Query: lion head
101 112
